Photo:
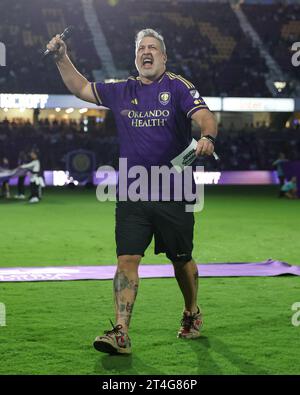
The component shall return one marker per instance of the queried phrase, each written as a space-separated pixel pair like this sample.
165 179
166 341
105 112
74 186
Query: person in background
36 179
279 169
289 189
22 159
5 191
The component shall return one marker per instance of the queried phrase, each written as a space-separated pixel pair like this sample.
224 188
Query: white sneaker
34 200
21 197
114 341
191 325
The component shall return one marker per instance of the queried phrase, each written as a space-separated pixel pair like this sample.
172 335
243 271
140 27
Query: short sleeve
189 98
105 93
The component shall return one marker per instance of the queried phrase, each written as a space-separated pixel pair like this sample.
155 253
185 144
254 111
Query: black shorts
171 225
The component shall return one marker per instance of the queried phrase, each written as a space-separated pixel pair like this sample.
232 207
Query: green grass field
247 329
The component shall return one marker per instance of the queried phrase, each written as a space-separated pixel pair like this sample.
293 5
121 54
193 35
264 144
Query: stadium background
229 50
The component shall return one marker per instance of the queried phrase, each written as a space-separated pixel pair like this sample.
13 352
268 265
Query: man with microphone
153 113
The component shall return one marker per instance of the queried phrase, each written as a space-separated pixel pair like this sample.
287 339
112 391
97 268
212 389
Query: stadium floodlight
83 110
69 110
5 109
280 85
58 109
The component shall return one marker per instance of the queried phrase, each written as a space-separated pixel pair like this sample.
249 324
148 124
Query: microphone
216 156
67 33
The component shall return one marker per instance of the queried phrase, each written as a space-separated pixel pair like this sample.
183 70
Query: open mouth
147 61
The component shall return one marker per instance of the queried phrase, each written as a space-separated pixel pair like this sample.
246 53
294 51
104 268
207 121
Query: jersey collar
158 80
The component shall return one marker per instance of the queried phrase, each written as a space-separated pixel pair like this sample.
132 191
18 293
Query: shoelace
114 331
187 321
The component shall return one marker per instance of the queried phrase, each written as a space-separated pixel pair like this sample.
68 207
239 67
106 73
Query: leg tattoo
196 275
125 290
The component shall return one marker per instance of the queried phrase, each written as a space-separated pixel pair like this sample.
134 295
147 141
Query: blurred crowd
54 140
205 42
278 25
253 147
207 47
26 27
256 147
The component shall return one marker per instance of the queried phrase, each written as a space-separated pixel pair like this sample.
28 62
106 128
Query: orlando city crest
164 97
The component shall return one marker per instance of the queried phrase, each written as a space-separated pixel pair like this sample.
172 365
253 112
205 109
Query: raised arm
77 84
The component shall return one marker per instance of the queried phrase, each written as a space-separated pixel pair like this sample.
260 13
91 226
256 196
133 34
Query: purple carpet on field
62 273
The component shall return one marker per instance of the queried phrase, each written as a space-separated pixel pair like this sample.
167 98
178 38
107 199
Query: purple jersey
153 121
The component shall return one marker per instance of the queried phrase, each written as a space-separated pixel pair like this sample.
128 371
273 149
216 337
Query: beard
151 73
148 73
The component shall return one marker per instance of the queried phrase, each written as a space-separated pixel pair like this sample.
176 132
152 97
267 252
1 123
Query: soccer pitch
50 326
